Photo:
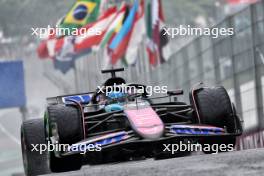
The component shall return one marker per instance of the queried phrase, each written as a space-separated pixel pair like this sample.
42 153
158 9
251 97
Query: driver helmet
116 97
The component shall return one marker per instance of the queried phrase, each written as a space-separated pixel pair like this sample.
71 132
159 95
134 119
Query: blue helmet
115 95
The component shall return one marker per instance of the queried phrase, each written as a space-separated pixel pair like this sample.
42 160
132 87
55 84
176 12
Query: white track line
12 137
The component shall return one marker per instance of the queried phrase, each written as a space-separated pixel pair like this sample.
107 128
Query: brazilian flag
81 13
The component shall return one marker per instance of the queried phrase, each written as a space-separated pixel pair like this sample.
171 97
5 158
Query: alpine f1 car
120 126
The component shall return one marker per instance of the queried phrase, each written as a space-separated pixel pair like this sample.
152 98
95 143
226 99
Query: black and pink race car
102 126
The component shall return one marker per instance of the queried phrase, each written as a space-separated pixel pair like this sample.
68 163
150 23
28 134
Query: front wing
177 132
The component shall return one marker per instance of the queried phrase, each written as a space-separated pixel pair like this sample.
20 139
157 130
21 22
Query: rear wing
83 98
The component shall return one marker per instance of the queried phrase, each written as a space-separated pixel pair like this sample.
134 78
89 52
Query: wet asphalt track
238 163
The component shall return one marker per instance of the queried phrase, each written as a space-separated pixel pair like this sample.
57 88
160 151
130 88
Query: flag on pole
42 50
95 31
81 13
80 43
152 25
66 55
156 41
118 45
62 49
137 35
113 28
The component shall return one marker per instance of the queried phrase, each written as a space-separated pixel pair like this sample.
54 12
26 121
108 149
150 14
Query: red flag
153 41
155 20
42 50
52 46
90 40
161 13
236 2
153 55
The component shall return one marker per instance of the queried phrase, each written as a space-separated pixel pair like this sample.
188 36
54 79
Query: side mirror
175 92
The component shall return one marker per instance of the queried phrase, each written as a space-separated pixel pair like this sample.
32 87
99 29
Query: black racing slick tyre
69 125
32 133
68 121
215 108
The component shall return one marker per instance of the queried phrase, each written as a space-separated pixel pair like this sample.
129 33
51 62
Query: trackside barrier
250 141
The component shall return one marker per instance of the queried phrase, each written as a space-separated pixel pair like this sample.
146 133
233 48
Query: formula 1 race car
110 126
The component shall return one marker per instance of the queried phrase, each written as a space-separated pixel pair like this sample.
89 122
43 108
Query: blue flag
127 26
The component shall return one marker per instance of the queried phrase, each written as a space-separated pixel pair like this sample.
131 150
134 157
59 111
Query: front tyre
215 108
68 124
32 133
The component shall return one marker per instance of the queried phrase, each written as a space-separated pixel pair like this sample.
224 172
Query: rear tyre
215 108
32 133
68 123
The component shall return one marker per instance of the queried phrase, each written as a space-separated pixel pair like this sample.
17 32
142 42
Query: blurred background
236 62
